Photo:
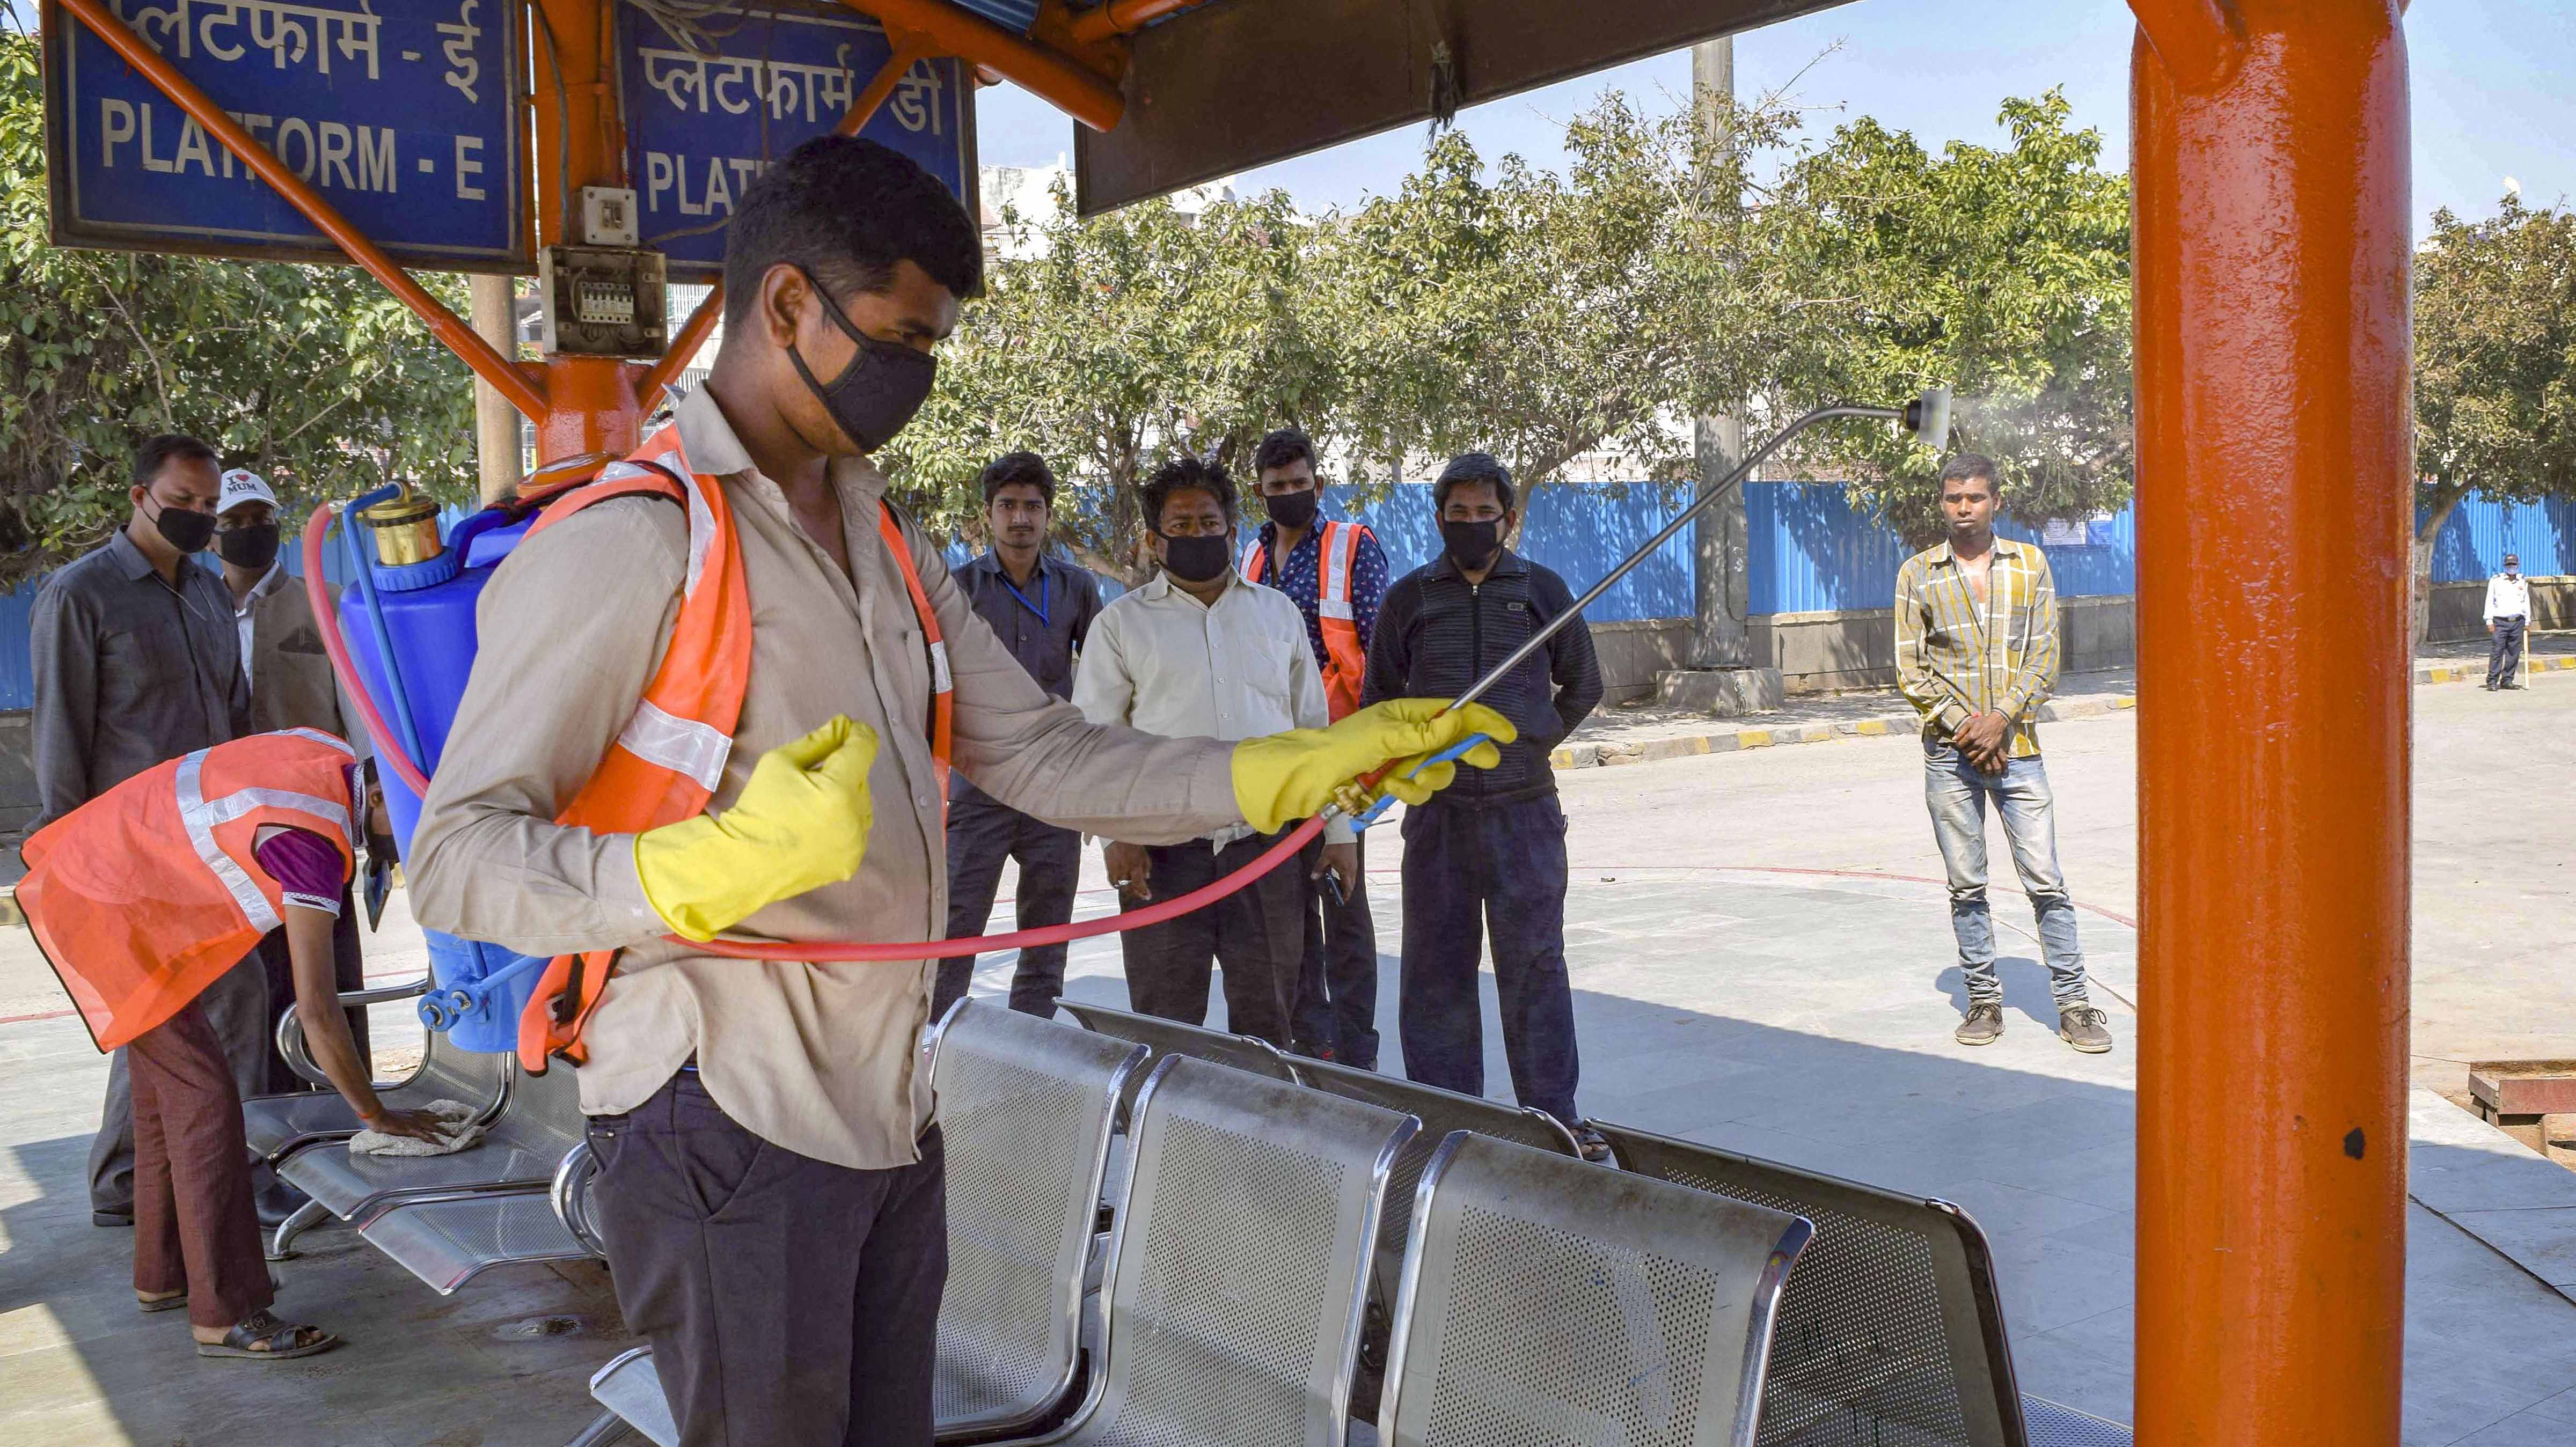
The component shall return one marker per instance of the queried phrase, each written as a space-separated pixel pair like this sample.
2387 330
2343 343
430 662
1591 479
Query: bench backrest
472 1076
1440 1111
1549 1300
1025 1107
1891 1330
1171 1037
1236 1270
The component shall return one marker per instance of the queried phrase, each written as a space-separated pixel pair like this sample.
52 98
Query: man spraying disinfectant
720 693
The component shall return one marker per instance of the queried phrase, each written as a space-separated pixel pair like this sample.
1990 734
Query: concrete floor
1759 960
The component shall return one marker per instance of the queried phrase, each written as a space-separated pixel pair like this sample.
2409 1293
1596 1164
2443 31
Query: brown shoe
2083 1028
1984 1025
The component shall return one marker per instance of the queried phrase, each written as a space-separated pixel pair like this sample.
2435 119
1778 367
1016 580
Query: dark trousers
1468 871
1337 980
2504 652
1256 933
194 1226
790 1302
981 834
348 972
236 1011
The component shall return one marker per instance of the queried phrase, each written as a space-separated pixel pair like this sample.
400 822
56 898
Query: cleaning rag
457 1130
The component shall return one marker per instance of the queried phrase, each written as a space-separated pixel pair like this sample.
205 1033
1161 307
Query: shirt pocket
146 667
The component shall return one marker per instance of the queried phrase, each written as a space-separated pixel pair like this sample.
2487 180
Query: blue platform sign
404 114
702 122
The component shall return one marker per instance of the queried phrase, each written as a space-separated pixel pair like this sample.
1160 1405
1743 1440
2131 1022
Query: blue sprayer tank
422 603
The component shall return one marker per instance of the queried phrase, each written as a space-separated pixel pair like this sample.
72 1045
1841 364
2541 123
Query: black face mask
380 875
1471 545
1196 560
877 393
187 531
252 547
1292 509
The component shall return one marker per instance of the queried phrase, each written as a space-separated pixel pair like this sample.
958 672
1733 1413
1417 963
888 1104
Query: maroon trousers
194 1224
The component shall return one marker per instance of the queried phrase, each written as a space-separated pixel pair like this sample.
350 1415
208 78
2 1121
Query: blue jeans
1466 871
1956 792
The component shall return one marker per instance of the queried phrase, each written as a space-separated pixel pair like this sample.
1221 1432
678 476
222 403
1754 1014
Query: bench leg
608 1428
281 1247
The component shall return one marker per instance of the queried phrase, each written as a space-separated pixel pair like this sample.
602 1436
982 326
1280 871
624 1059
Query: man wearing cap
2508 610
291 687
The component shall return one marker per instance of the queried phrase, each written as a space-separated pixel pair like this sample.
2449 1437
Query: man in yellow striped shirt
1976 654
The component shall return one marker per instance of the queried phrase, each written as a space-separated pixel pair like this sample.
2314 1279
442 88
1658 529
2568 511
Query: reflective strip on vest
319 737
683 746
200 822
322 812
1333 582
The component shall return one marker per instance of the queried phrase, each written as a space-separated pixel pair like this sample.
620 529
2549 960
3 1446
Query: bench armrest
290 1029
571 1194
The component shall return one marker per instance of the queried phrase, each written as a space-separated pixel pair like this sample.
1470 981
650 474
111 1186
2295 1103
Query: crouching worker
656 657
141 898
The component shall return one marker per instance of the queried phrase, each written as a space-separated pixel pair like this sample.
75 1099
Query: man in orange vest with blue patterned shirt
1335 572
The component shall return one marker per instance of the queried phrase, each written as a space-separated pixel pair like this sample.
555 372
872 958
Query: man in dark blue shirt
1335 572
1042 608
1492 849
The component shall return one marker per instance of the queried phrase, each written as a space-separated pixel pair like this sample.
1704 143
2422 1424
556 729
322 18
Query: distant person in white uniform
2508 612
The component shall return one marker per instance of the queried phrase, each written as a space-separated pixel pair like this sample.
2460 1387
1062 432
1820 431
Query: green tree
2495 367
1137 333
2001 272
314 375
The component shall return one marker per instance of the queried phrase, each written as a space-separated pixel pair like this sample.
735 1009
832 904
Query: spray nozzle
1928 417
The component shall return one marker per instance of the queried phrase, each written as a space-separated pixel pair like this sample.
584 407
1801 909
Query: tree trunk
2447 498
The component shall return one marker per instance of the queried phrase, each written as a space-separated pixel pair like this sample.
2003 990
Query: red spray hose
328 616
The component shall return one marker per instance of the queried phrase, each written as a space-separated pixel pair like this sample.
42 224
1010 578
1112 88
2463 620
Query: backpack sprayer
412 607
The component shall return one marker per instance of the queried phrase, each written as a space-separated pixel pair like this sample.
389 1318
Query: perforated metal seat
1892 1330
1171 1037
1236 1270
539 1124
1026 1106
1549 1301
2052 1425
277 1124
448 1241
632 1392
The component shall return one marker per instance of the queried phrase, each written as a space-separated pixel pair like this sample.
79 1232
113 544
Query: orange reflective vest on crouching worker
1345 662
669 758
145 895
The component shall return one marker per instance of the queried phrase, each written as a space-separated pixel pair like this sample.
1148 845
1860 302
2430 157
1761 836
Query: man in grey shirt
137 662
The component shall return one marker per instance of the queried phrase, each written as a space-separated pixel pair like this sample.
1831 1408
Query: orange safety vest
667 761
145 895
1345 663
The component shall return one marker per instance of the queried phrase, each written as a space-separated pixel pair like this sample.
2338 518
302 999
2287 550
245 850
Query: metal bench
1172 1037
278 1124
1237 1269
449 1239
538 1125
1892 1330
1441 1112
1550 1300
1026 1107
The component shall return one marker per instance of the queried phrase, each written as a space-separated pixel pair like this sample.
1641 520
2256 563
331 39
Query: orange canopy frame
2274 406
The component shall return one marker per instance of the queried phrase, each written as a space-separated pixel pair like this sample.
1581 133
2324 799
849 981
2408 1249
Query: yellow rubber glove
1292 775
802 822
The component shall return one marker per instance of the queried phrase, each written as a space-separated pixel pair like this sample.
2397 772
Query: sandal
257 1340
173 1302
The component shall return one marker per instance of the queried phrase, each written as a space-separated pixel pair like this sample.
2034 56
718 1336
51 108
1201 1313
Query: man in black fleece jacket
1492 849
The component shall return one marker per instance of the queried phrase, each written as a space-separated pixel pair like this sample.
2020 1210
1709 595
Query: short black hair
1186 474
848 211
1012 468
1973 467
158 450
1283 448
1473 467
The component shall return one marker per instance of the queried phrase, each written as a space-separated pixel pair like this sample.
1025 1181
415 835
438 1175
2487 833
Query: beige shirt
820 1059
1160 660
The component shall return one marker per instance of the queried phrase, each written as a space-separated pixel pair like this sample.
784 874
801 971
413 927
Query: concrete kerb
1596 754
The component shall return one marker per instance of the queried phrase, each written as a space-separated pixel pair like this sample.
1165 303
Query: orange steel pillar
591 401
2274 499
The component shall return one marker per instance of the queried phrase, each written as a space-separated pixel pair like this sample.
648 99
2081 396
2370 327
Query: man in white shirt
2508 609
1201 653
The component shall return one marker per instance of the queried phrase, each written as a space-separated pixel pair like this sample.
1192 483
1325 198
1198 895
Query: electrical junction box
608 216
602 301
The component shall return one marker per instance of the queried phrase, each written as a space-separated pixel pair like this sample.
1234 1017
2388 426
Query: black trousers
981 834
348 972
1257 933
2504 652
1337 980
790 1302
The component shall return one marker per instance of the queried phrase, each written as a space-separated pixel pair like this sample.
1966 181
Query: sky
2494 91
